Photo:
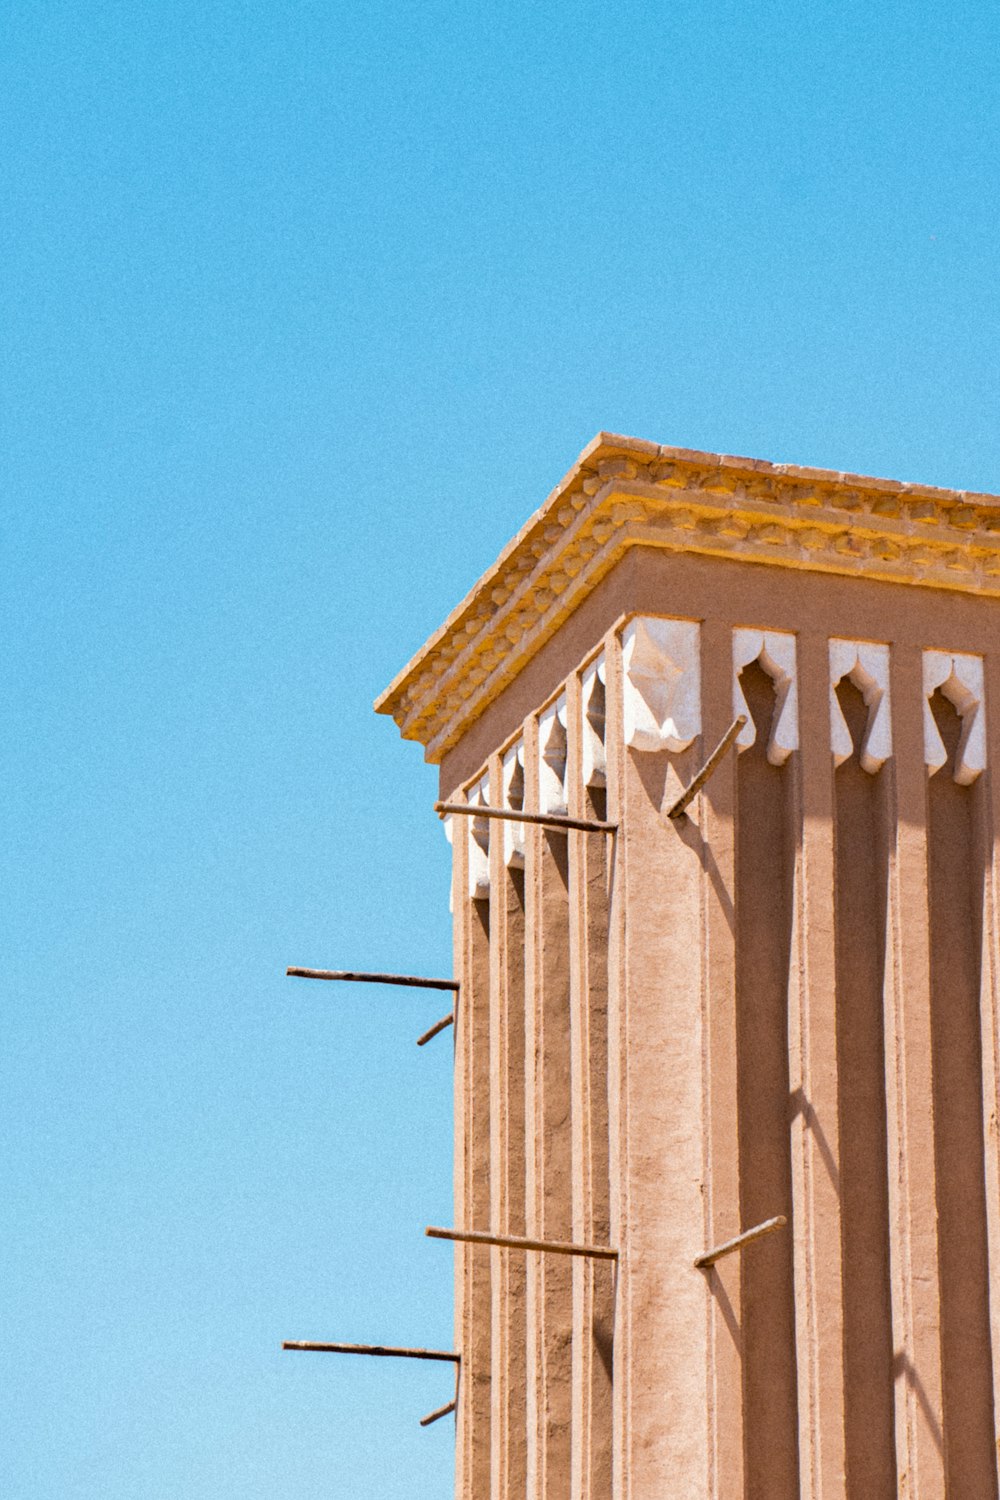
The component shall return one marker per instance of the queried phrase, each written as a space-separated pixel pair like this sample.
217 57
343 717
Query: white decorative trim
662 662
866 663
552 758
960 678
775 650
592 724
513 797
479 843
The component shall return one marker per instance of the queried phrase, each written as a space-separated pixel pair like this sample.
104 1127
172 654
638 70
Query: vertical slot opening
765 863
861 885
956 895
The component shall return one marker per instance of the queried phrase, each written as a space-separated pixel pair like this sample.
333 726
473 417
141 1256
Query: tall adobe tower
779 1003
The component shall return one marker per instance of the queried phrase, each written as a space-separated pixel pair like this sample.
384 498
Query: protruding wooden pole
690 792
383 1351
519 1242
448 1020
747 1238
442 1411
348 976
508 815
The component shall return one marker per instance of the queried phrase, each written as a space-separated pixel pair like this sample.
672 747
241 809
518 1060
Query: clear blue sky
303 308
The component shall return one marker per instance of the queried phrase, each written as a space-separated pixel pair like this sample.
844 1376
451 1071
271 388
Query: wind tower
717 737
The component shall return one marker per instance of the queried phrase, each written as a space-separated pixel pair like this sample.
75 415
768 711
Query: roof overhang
624 492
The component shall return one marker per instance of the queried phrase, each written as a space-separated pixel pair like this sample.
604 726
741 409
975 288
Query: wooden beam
746 1238
518 1242
448 1020
349 976
509 815
442 1411
710 765
384 1351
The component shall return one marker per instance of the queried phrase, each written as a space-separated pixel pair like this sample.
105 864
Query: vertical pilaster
665 1448
534 1323
593 1281
508 1270
472 1186
716 818
460 1166
989 850
549 1197
909 1092
814 1097
617 1060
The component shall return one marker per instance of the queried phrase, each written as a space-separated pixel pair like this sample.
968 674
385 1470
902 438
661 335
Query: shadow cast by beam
721 1296
903 1366
798 1104
691 835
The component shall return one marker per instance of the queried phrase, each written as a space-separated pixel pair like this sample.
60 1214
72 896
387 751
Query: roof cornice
624 492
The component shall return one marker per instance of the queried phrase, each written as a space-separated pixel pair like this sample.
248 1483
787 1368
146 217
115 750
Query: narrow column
507 1181
617 1105
813 1097
716 817
472 1186
665 1430
912 1165
593 1281
459 880
549 1156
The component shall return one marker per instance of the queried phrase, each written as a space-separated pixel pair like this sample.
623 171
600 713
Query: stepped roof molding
625 492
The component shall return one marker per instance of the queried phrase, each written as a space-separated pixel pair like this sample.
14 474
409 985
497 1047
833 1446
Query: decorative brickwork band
775 651
960 679
866 664
662 665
